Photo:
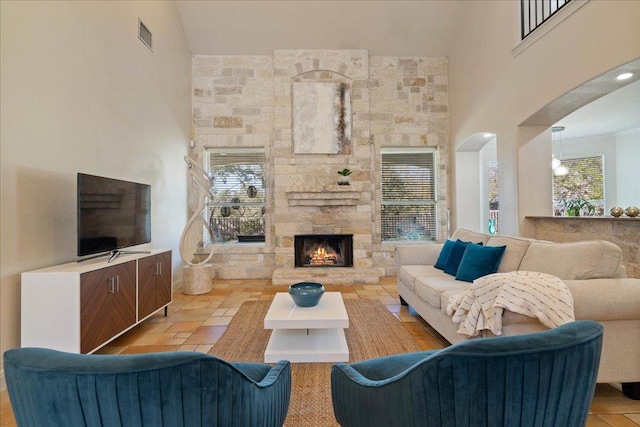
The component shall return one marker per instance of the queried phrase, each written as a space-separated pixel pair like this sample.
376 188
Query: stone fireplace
308 199
323 250
248 102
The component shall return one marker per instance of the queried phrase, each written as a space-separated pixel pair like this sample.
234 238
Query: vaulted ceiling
394 28
389 27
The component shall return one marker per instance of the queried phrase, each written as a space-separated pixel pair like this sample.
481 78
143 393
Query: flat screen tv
112 214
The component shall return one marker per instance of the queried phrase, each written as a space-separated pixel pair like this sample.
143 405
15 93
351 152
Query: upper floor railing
534 13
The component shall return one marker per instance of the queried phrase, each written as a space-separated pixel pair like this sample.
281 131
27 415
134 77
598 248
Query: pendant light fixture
558 168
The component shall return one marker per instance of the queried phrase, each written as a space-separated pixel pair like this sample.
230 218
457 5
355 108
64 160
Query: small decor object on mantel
492 226
632 211
616 211
344 176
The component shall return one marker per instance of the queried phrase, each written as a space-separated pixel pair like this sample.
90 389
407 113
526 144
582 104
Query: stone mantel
580 218
326 195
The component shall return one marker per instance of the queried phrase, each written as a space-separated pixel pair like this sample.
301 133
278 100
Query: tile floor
195 323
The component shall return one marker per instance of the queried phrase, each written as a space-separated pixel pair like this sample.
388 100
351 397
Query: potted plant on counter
577 206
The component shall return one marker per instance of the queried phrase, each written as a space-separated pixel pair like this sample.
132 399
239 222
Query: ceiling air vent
145 35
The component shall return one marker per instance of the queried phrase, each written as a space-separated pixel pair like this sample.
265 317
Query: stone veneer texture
245 101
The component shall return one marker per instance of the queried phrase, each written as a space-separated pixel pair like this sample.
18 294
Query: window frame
557 204
433 203
212 205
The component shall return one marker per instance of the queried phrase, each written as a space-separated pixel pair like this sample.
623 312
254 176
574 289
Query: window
492 181
408 194
236 213
581 190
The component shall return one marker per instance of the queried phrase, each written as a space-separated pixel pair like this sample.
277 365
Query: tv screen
112 214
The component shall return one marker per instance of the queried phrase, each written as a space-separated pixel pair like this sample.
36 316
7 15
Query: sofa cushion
409 254
479 261
430 288
573 261
444 254
408 273
455 256
469 236
516 248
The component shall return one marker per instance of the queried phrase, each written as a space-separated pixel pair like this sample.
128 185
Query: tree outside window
581 191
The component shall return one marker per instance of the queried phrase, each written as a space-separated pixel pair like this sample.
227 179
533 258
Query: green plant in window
252 227
577 206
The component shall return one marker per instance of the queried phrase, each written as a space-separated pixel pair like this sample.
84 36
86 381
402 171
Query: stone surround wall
245 101
233 107
409 107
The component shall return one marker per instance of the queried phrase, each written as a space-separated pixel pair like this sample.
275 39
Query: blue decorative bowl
306 294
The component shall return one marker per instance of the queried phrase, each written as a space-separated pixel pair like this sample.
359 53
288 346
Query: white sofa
592 271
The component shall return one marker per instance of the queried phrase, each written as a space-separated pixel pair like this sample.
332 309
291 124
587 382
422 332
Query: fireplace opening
324 250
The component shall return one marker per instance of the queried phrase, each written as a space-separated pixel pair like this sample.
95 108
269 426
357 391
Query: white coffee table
307 334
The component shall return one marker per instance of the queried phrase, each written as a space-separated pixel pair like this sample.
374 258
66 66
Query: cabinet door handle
114 284
158 271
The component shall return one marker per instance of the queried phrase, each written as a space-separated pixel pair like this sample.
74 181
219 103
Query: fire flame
322 256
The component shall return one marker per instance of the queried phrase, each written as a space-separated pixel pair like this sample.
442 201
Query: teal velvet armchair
52 388
542 379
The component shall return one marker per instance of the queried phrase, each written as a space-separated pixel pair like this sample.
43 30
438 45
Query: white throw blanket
533 294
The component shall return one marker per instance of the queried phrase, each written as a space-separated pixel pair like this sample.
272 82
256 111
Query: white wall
472 159
490 88
81 93
627 164
468 196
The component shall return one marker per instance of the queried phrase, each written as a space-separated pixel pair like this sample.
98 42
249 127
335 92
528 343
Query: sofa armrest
606 299
426 254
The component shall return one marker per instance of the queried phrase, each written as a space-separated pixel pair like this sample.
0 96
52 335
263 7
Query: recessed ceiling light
624 76
488 135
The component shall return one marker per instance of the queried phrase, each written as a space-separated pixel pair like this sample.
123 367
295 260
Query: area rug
373 332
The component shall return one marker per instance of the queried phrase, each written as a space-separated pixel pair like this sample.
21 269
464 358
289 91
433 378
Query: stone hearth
327 209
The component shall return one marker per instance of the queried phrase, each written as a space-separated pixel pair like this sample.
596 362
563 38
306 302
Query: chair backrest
48 387
545 378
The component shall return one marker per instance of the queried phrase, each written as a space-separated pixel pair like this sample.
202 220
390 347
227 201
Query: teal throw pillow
479 261
455 256
444 254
